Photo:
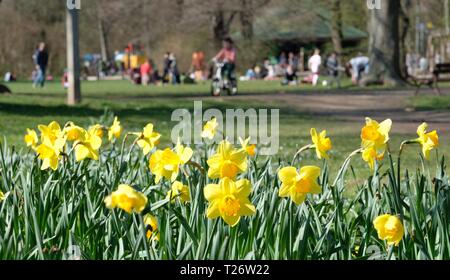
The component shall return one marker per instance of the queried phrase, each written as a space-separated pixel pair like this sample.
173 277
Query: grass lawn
136 106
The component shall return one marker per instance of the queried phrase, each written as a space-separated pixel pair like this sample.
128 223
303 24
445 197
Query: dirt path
353 107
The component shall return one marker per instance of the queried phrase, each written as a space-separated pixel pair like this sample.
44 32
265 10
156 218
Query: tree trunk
384 50
336 27
221 25
103 39
246 19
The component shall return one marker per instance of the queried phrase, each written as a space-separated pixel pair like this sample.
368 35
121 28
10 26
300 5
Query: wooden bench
441 73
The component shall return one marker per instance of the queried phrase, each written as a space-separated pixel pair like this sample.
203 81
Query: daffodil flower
51 132
370 155
151 224
148 139
375 137
87 146
50 152
31 138
179 190
250 149
389 228
322 144
298 185
74 133
96 129
127 199
227 162
3 196
210 129
229 200
166 163
429 141
115 130
376 134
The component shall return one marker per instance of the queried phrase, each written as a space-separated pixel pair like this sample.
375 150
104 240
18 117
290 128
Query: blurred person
314 64
166 68
198 66
333 68
227 55
41 61
146 72
173 69
358 66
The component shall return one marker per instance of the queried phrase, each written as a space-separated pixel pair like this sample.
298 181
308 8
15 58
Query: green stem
144 232
196 165
305 148
344 166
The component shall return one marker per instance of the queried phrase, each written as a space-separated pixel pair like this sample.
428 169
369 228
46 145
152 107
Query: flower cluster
229 193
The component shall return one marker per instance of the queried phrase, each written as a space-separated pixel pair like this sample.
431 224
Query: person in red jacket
146 72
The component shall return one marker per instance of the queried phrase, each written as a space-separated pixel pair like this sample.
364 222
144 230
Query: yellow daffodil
96 129
127 199
31 138
250 149
51 132
50 153
229 200
115 130
151 224
179 190
2 196
389 228
227 162
148 139
184 153
376 134
74 133
167 163
297 185
322 144
429 141
87 146
370 155
210 129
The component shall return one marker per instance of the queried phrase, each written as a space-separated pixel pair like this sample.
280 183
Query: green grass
46 213
136 106
427 102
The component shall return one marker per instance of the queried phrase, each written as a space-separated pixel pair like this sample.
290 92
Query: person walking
41 61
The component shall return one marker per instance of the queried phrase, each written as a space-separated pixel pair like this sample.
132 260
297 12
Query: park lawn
136 106
431 102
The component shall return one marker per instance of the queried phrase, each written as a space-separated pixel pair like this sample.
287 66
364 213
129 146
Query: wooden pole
447 16
73 57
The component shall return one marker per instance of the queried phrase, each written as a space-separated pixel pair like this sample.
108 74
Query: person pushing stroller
227 56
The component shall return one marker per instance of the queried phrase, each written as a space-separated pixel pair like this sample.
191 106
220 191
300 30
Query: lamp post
73 56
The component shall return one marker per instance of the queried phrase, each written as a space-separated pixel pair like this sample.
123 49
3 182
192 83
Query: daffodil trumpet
302 150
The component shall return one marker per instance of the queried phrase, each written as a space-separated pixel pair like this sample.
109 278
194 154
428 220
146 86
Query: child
314 64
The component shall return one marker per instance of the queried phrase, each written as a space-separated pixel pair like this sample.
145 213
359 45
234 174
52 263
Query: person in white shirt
314 64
